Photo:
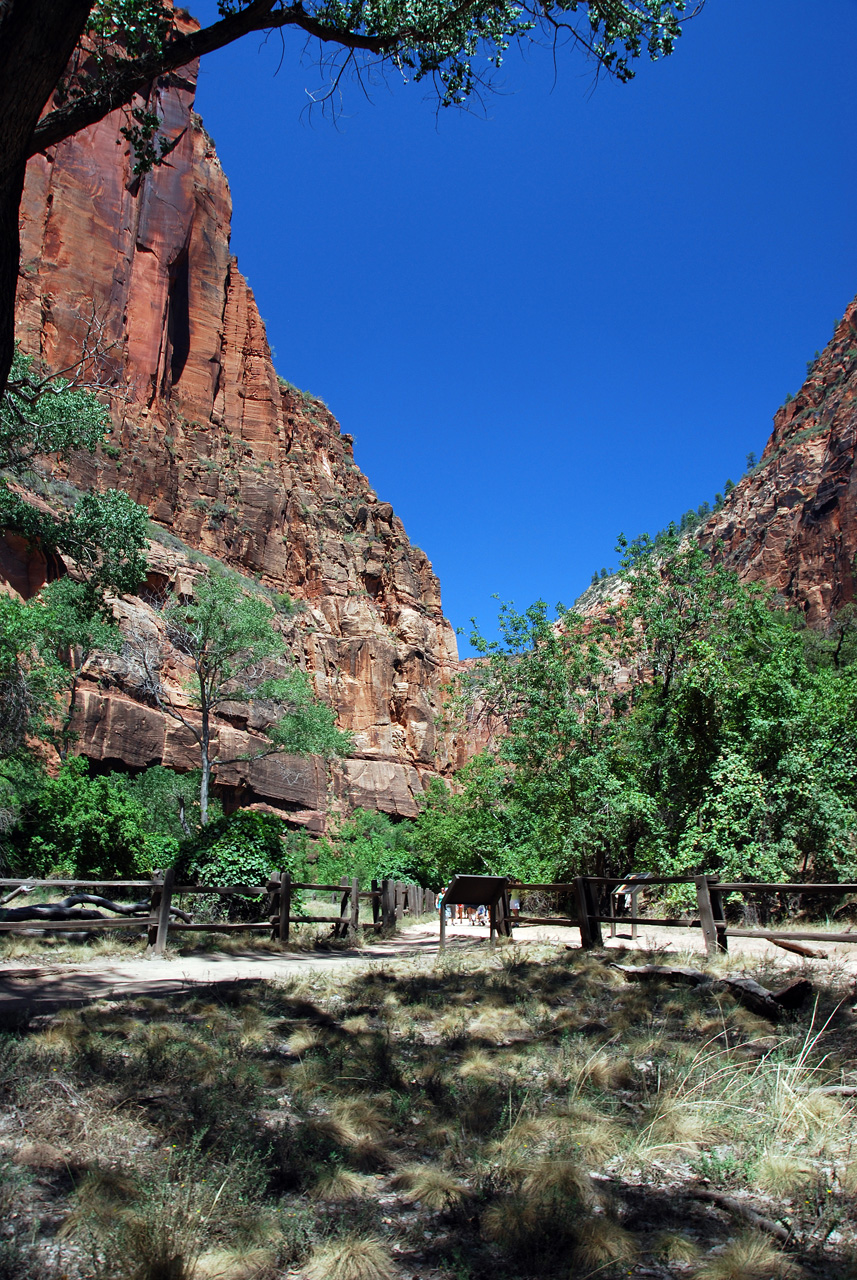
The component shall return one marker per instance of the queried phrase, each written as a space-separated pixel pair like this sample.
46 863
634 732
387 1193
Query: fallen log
753 996
741 1210
793 995
64 909
22 888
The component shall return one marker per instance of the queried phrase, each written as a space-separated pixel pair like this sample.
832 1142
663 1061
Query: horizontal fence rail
585 903
158 914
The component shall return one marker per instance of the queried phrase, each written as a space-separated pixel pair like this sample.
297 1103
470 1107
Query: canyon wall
233 464
792 522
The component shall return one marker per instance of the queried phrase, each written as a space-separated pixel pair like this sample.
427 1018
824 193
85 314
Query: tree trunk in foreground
37 38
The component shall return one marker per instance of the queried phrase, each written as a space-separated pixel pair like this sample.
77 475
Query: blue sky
571 315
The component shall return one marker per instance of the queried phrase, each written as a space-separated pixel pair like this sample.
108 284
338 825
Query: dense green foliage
371 846
88 827
244 848
694 726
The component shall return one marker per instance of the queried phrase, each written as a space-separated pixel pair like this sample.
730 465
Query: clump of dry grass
669 1246
351 1258
600 1241
749 1257
781 1174
430 1186
338 1186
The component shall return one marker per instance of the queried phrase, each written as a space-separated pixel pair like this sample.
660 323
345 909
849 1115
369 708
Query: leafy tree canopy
65 64
692 725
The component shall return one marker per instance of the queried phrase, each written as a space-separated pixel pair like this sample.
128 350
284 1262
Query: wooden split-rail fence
158 912
589 902
592 903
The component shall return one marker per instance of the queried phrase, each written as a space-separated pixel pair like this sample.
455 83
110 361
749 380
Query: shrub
244 848
88 827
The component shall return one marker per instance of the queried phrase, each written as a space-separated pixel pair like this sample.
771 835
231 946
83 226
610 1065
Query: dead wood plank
793 995
791 935
79 925
753 996
79 884
666 922
571 921
798 950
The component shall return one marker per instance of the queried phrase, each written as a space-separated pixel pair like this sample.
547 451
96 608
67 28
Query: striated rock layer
792 523
230 461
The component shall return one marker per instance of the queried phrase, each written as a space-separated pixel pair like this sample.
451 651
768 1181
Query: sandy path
42 987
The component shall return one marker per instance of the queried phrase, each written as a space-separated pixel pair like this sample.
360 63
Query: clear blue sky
572 315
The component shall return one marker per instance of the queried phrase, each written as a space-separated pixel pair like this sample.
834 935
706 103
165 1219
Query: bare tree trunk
36 41
205 746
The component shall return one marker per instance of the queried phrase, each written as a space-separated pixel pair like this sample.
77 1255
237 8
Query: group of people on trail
463 911
475 914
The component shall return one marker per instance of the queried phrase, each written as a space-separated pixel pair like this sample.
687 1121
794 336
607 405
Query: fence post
400 901
341 927
355 907
388 910
285 906
711 914
376 905
164 911
505 925
154 907
590 929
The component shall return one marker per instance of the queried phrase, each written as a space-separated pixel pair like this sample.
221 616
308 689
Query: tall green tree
693 725
236 656
45 642
65 64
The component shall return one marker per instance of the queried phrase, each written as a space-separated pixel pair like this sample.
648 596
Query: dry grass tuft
430 1186
750 1257
351 1258
781 1174
552 1180
671 1247
600 1241
235 1264
512 1222
339 1186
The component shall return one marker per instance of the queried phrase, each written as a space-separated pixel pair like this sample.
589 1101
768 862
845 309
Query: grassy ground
522 1113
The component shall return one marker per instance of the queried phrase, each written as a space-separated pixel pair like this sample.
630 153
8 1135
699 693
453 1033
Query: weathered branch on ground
741 1210
64 909
755 997
22 888
671 973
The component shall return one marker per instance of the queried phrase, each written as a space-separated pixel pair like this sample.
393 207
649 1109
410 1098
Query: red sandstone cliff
230 461
792 523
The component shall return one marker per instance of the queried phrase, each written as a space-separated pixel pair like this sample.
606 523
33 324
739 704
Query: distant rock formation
792 523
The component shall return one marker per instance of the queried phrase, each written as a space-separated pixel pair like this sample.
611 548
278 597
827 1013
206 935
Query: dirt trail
40 988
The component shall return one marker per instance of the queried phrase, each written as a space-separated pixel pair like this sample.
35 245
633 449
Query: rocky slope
792 522
231 462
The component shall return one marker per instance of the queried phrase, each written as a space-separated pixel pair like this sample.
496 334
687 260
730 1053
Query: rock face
792 522
232 463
